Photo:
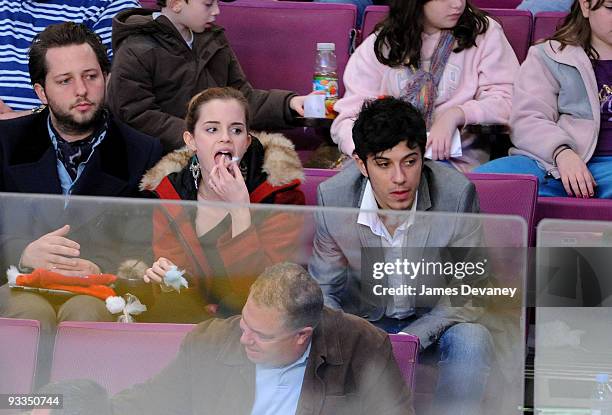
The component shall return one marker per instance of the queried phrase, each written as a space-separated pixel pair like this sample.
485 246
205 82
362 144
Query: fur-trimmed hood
281 162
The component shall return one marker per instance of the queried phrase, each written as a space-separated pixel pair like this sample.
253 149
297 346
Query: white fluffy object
115 304
132 306
174 278
12 273
558 333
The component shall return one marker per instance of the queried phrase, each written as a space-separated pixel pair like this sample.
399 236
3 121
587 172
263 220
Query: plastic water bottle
326 76
601 400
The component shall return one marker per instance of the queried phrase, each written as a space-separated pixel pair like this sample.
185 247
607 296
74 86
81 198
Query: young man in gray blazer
389 172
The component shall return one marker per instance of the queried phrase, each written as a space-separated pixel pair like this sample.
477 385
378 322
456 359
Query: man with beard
74 146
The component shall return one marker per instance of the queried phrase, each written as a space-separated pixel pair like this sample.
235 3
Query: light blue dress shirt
278 389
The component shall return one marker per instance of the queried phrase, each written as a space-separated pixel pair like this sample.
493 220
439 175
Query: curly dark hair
384 123
576 30
399 39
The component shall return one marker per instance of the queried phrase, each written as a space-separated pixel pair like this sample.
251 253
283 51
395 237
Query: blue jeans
464 354
599 166
361 5
535 6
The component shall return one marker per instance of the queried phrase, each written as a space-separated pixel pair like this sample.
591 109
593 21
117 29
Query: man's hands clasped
56 252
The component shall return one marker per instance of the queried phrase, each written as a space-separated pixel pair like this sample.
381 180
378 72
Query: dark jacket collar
251 164
325 344
325 350
270 165
34 164
140 21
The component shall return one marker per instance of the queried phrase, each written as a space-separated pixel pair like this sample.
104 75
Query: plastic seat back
405 351
313 178
508 194
545 24
276 41
18 352
116 355
496 4
517 26
371 17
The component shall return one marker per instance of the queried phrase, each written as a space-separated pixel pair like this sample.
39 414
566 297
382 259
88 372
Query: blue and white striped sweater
21 20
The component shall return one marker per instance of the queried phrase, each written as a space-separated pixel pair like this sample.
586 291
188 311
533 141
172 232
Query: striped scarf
422 90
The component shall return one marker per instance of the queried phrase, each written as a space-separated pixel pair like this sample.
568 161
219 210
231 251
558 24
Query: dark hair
399 39
163 3
288 287
576 30
58 35
80 397
225 93
384 123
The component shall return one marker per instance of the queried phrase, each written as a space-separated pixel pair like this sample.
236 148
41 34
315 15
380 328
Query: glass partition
573 315
456 282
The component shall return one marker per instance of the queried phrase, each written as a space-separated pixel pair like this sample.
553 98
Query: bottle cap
326 46
602 378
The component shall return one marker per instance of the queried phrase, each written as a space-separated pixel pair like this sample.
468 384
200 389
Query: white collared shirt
401 306
368 217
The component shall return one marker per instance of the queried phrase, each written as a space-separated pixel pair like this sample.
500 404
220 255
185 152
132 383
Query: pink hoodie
478 80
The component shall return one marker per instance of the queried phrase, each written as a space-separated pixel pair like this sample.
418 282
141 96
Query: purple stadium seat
275 42
18 351
516 23
508 194
496 4
149 4
405 350
313 178
371 16
573 208
545 25
517 26
116 355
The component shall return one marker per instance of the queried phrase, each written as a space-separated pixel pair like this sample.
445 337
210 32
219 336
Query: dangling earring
194 168
243 168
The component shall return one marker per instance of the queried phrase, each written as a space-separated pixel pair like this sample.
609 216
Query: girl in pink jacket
562 108
445 57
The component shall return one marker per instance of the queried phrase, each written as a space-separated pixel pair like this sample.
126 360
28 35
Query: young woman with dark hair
562 108
221 248
445 57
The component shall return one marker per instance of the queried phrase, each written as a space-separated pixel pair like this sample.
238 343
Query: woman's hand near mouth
227 183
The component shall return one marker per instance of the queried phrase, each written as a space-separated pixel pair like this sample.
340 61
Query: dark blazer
106 231
28 163
351 370
337 256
